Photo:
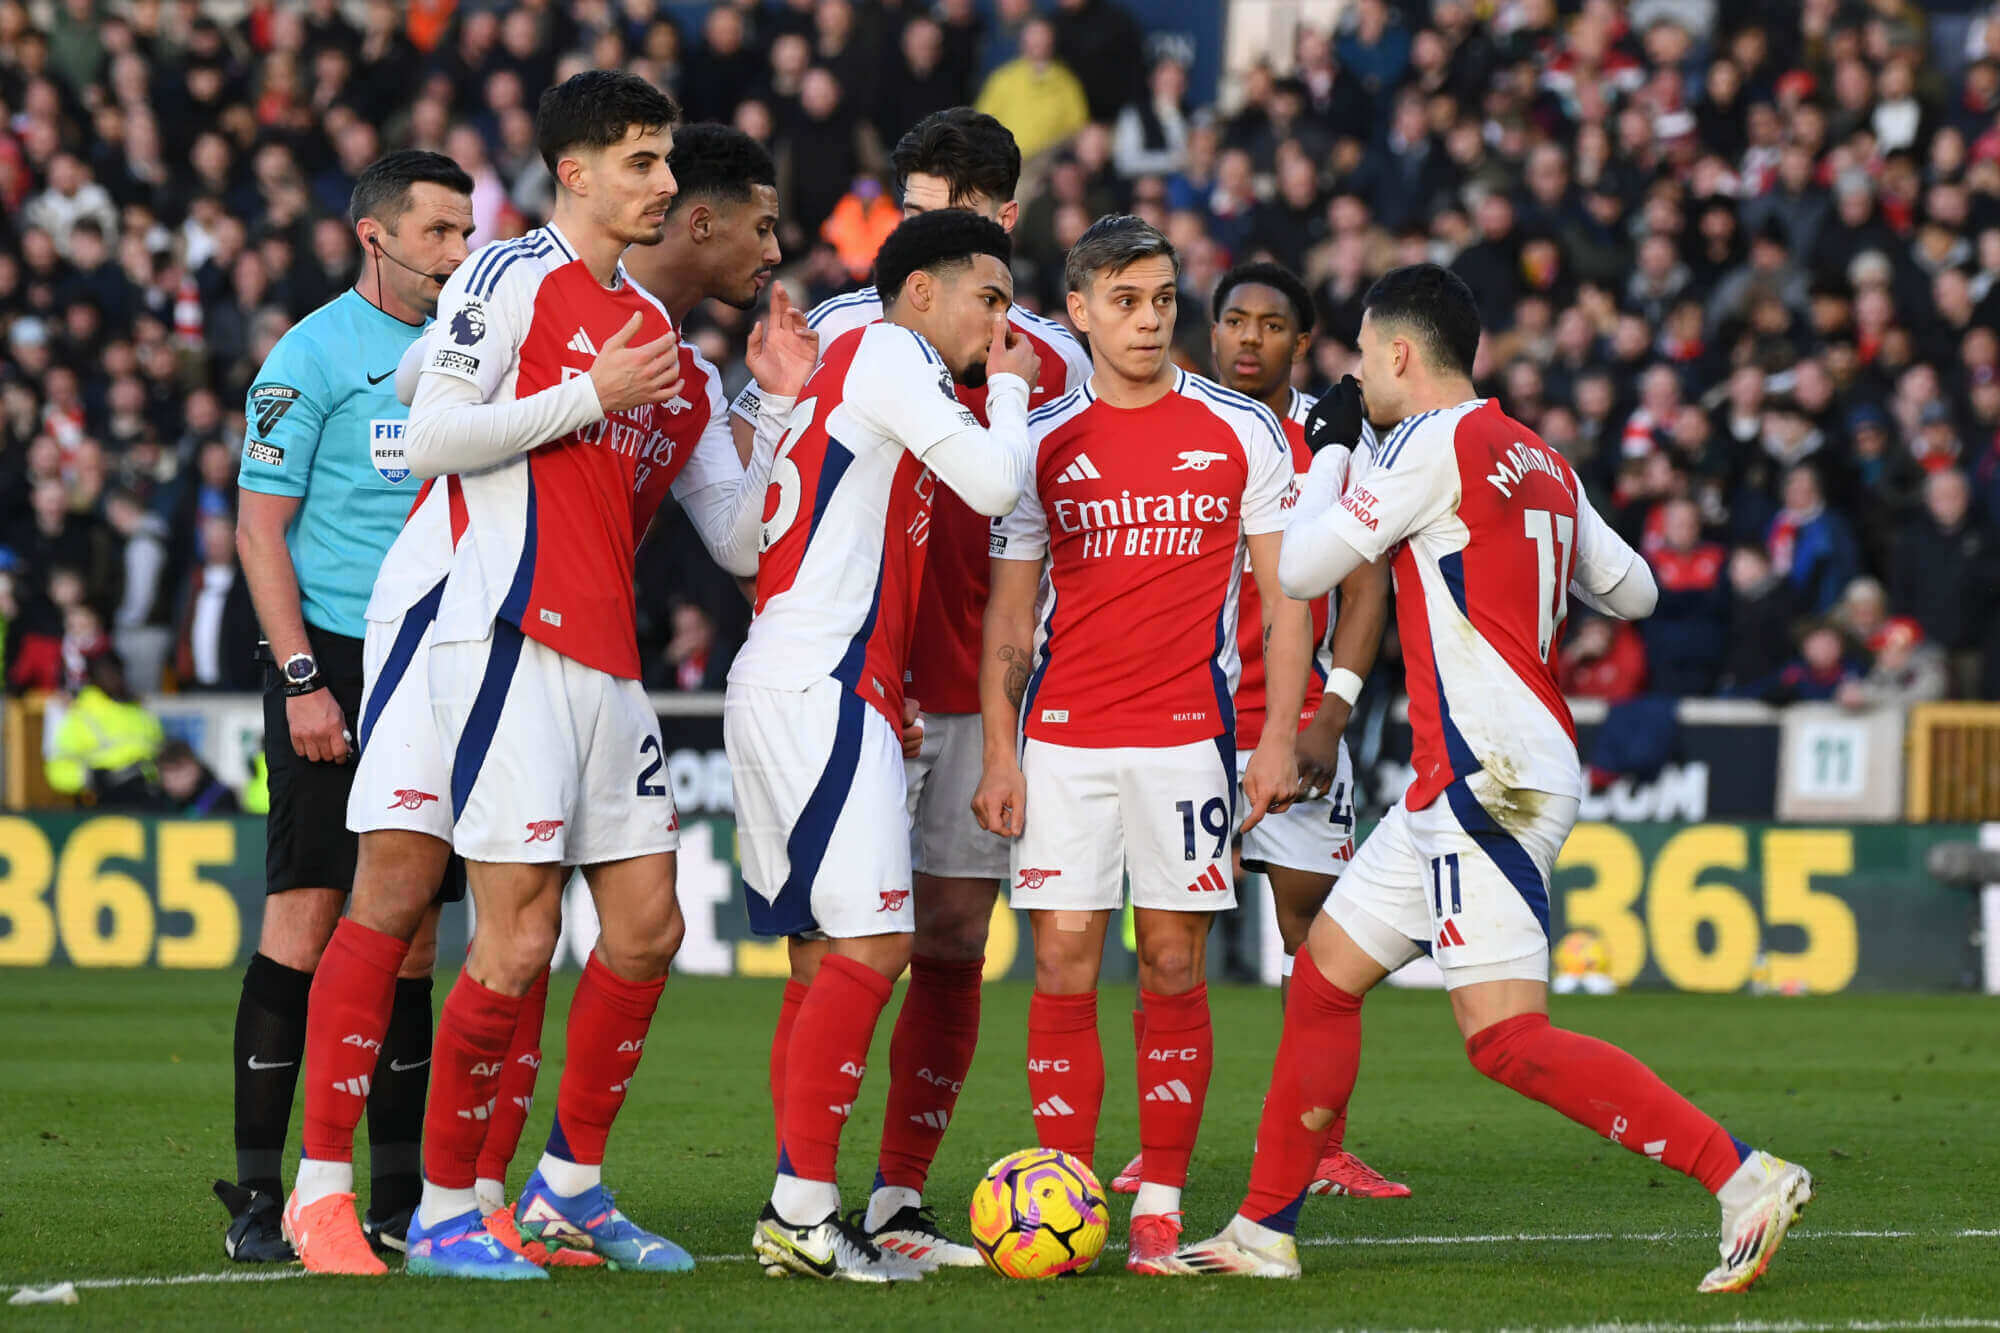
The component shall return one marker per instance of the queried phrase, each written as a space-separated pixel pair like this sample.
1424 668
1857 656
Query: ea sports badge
385 450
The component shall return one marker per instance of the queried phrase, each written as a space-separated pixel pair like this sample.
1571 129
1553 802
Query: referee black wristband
311 685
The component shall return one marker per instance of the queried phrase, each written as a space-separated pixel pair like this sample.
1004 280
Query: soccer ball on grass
1039 1213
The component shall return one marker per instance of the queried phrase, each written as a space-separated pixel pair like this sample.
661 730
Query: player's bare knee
297 925
1170 969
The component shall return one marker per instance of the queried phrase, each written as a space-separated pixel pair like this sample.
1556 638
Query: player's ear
1010 213
701 222
1079 315
1302 348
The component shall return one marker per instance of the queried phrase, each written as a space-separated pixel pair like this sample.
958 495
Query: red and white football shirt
847 516
545 541
1141 513
945 647
1489 526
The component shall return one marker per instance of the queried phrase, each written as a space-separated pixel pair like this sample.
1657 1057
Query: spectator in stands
1823 667
1151 137
1687 636
694 658
1761 609
188 788
1944 571
106 743
1810 545
216 633
1037 96
1106 48
1604 659
1907 669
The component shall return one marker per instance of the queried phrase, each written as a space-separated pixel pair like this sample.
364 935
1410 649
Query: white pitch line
1493 1238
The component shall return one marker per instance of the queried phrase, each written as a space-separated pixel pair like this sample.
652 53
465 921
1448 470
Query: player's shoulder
840 314
1425 437
1301 407
1058 412
517 266
1256 424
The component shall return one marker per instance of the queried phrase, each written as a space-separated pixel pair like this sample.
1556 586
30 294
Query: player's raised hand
783 348
913 727
1270 782
627 376
1012 354
1001 803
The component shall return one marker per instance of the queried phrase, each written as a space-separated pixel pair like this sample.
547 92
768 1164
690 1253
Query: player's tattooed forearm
1015 682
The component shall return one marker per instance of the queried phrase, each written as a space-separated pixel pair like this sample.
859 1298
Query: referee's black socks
270 1044
396 1102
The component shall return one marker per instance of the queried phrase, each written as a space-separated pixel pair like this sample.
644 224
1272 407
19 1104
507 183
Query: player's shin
781 1045
1608 1091
516 1096
823 1073
1318 1058
1175 1062
1065 1072
608 1022
348 1017
929 1056
471 1048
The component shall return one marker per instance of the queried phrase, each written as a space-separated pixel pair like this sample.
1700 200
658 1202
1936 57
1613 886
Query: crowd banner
1711 907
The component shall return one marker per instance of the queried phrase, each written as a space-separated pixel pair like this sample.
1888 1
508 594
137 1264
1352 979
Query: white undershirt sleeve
451 430
987 468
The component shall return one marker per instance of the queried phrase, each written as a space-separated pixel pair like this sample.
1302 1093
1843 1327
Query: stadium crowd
1740 263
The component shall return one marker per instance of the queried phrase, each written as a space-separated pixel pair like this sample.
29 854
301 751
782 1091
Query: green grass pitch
114 1115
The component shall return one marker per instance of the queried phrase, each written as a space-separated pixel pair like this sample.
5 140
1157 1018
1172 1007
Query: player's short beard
973 376
749 299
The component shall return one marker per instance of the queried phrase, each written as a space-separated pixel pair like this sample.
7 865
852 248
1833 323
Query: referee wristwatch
301 673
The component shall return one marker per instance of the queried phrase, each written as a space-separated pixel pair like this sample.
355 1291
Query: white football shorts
550 760
819 812
401 780
945 838
1465 880
1165 815
1315 835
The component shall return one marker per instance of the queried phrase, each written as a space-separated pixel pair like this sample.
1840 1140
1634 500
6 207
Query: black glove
1337 417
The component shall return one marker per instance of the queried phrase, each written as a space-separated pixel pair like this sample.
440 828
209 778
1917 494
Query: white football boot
1759 1205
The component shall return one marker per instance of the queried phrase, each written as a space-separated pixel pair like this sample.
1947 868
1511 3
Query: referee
324 492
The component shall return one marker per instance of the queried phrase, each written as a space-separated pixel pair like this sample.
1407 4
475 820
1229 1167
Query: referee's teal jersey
324 426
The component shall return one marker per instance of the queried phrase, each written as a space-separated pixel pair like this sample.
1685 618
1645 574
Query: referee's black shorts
307 844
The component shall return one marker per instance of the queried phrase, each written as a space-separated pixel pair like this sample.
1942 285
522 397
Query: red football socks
930 1054
1318 1057
781 1042
517 1084
608 1021
1608 1091
1175 1060
466 1060
826 1062
353 994
1065 1072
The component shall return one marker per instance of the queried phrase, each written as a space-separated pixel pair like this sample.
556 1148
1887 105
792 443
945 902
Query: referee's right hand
627 376
319 730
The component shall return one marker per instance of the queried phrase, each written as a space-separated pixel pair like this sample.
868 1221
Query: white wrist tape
1340 681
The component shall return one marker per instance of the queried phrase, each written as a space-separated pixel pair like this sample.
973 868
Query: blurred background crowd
1740 262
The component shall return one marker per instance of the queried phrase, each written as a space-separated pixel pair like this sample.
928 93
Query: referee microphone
439 278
